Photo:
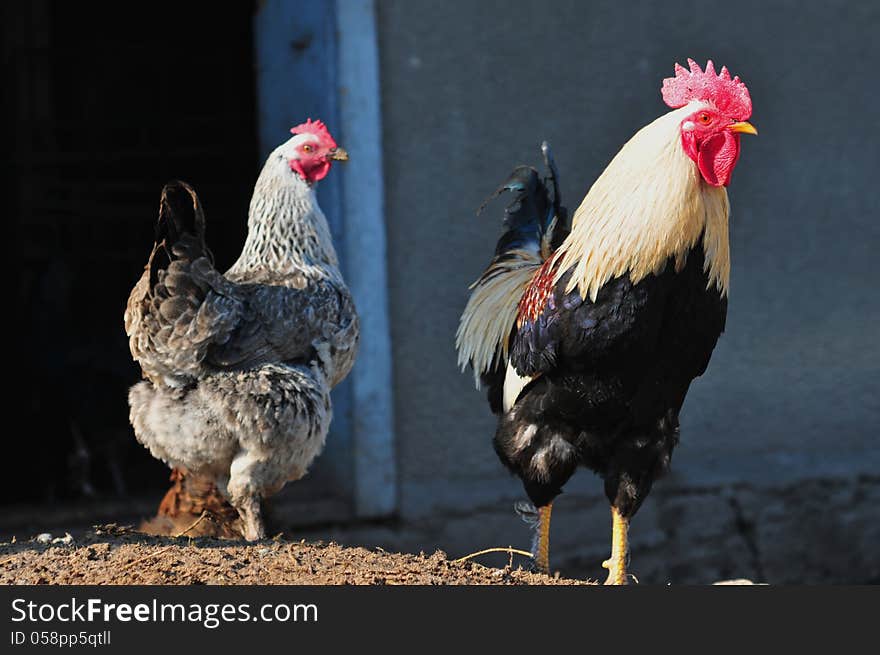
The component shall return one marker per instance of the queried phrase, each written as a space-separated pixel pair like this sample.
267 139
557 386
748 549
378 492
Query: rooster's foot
617 574
616 564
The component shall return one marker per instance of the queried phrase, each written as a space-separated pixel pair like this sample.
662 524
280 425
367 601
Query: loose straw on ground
194 524
166 548
508 550
155 553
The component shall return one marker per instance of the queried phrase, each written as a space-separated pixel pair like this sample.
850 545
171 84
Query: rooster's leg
251 518
616 564
541 548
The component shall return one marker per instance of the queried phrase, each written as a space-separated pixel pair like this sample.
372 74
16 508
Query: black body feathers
534 213
611 378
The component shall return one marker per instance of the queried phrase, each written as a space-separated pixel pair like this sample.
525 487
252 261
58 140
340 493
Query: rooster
238 367
588 348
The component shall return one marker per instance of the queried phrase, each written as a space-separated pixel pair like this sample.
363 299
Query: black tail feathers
180 213
180 230
531 213
550 164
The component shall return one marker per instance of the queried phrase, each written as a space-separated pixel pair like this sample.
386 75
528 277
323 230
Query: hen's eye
307 148
704 118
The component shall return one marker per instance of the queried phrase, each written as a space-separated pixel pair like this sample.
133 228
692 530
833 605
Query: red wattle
312 170
717 157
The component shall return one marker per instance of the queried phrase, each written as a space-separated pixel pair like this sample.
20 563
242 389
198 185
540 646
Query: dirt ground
120 555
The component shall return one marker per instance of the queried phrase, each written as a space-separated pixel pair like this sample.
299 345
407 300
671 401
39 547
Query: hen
238 367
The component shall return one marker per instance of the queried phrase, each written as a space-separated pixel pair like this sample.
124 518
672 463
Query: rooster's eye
704 118
307 148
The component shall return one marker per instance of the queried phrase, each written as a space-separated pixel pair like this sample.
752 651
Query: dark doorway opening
104 104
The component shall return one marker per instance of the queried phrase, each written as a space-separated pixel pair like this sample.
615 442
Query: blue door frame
319 59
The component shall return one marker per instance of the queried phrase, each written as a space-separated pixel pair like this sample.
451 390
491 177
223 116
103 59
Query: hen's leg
170 503
616 564
249 478
251 512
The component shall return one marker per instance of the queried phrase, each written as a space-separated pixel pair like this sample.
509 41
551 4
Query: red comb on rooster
730 96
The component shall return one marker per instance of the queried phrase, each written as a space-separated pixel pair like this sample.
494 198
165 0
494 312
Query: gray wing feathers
281 324
194 321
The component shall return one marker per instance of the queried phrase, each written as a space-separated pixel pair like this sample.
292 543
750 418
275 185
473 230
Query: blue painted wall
470 89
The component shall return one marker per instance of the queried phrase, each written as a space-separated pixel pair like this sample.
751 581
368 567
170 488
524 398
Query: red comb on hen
730 96
318 129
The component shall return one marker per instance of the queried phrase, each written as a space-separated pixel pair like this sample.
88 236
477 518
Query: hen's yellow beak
743 127
339 154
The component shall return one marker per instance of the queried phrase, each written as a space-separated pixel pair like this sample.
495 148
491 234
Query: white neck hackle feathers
649 205
287 231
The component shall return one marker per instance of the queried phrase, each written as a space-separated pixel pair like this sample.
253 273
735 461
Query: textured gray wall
470 89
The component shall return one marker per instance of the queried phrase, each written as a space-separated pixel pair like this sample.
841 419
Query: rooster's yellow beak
743 127
339 154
